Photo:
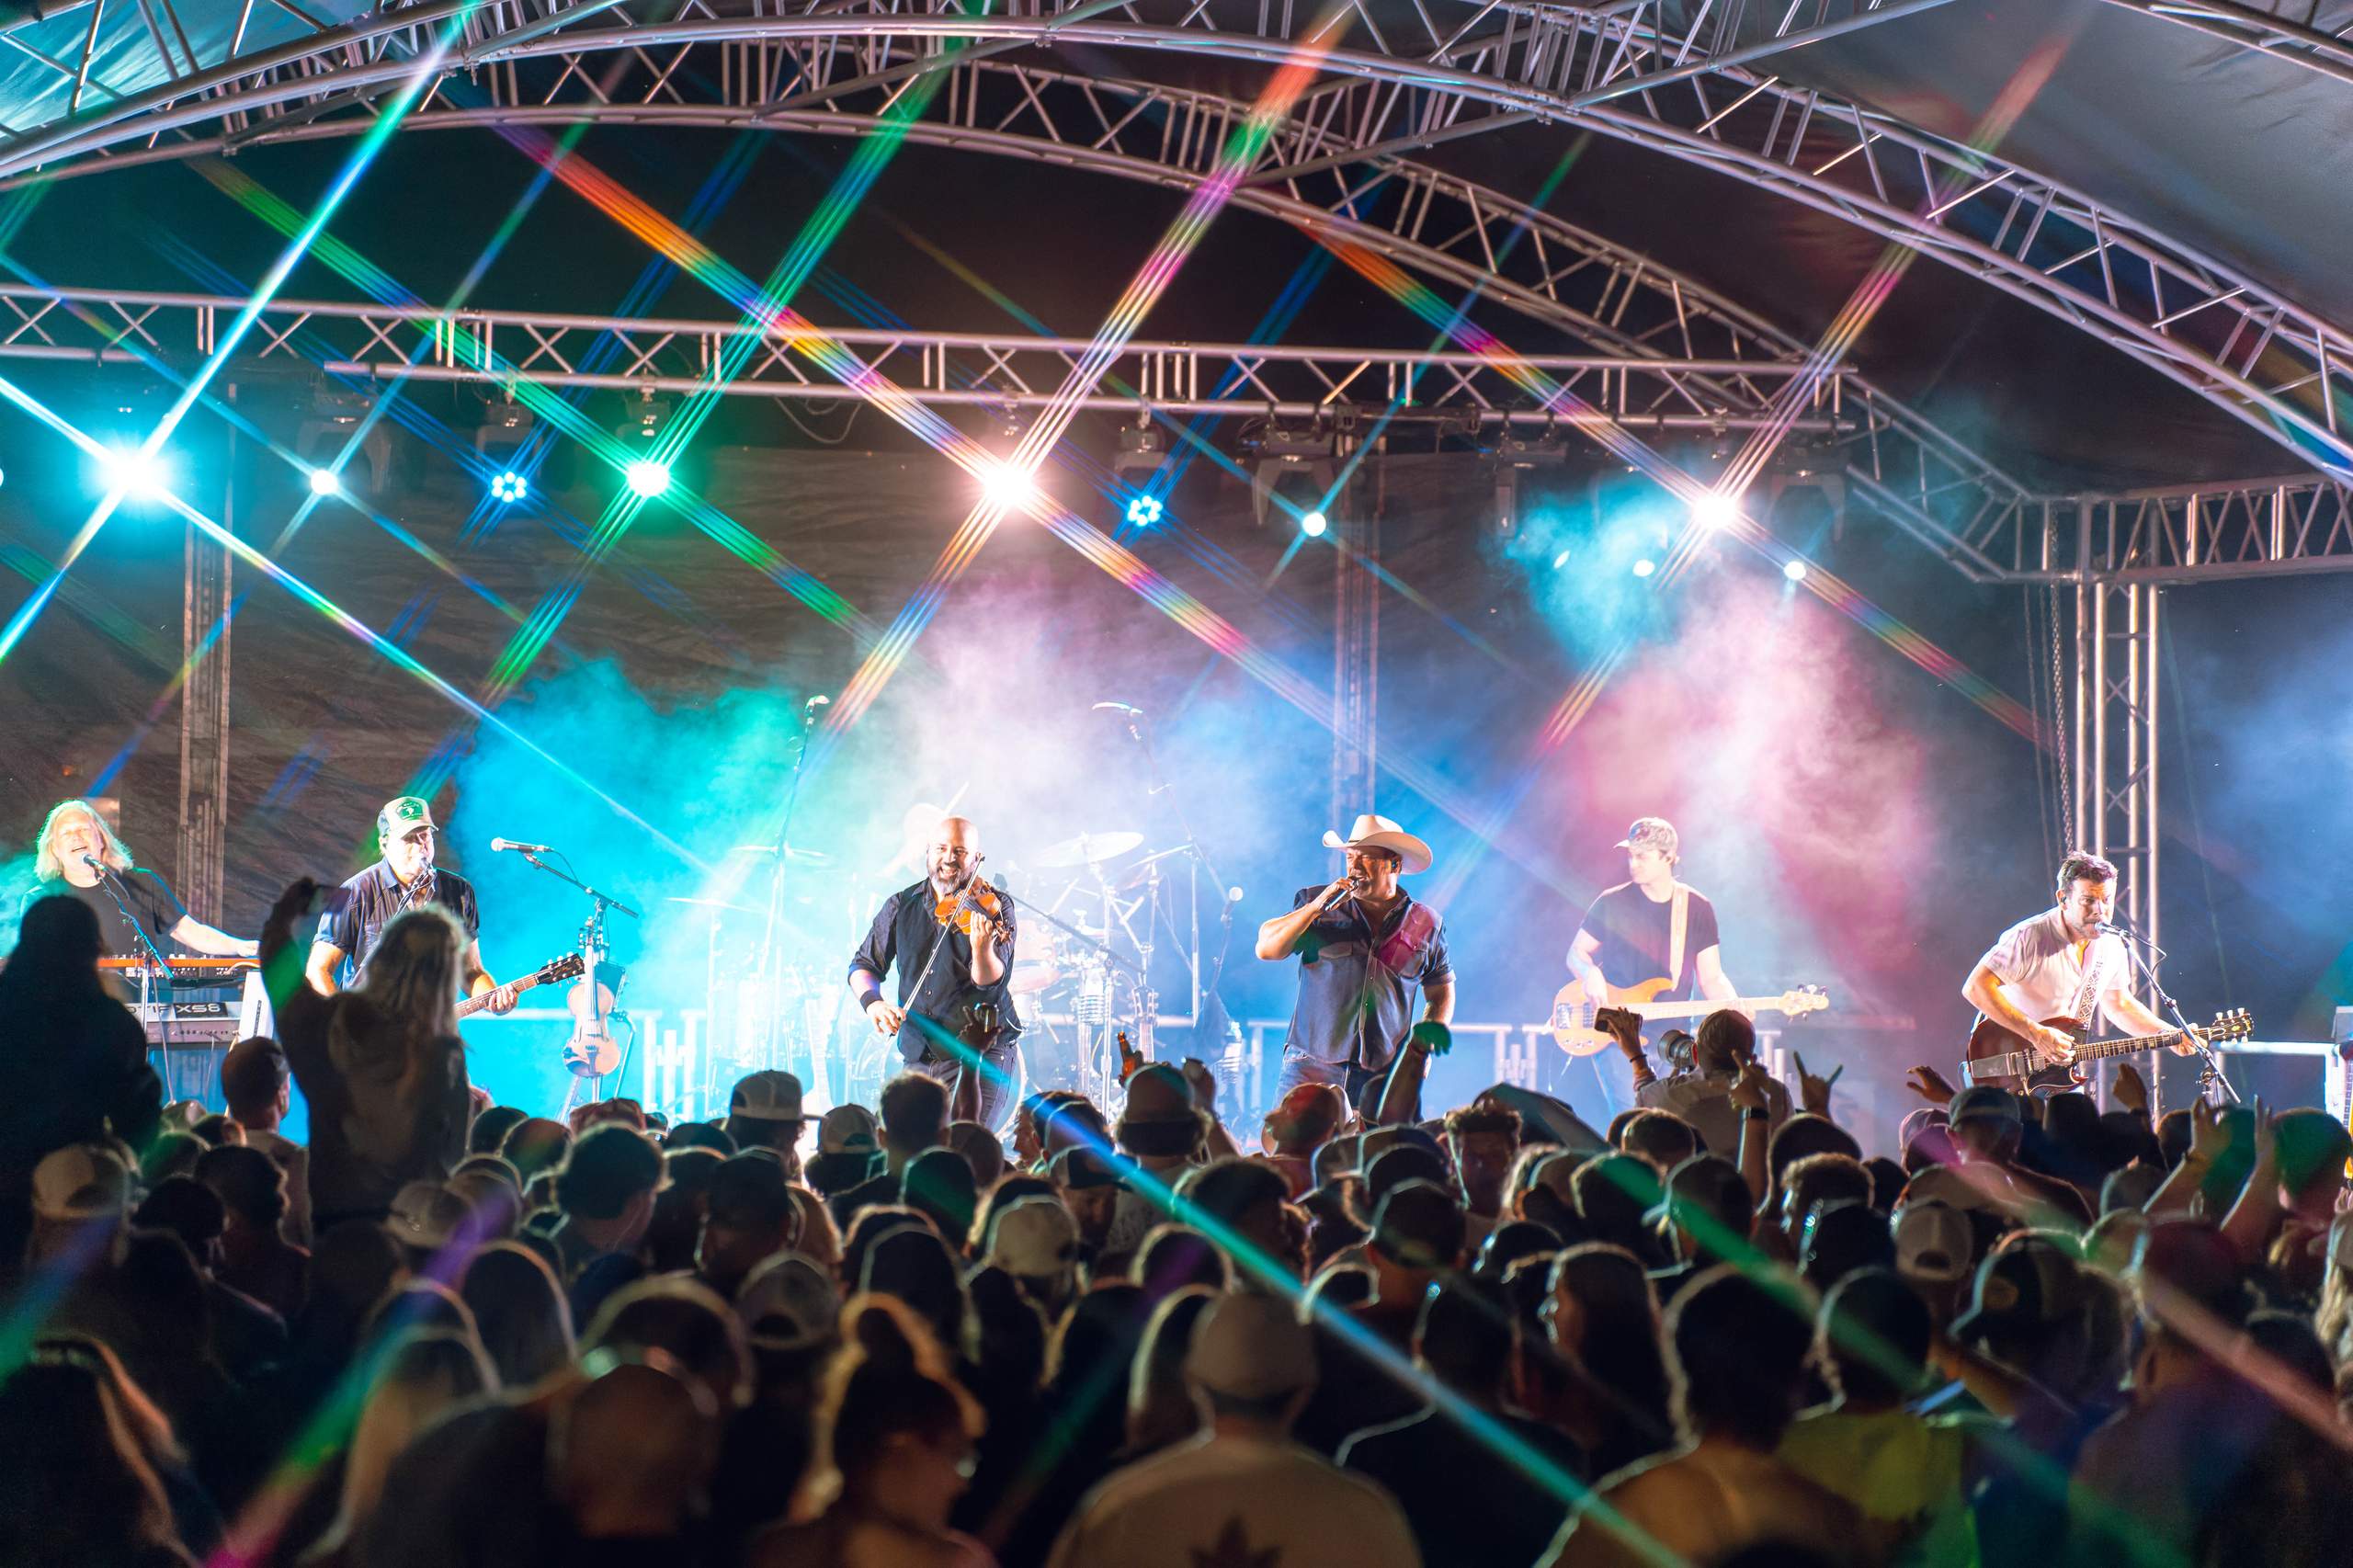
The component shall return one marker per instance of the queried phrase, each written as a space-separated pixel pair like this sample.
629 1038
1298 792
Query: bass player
1649 925
2065 964
952 984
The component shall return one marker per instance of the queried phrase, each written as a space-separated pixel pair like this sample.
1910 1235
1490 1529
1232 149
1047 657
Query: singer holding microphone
405 878
77 848
1363 943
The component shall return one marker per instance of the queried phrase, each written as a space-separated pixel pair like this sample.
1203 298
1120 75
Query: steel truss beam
1407 81
1464 391
2114 742
2247 527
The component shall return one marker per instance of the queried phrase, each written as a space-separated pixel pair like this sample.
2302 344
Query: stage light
1143 511
324 482
647 478
1714 511
1644 567
509 487
1794 571
1312 523
1009 488
1559 561
138 474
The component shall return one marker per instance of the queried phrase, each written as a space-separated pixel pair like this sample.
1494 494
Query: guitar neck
1701 1009
2123 1046
473 1004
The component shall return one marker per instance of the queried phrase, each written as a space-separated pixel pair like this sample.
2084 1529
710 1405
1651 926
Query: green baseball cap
401 814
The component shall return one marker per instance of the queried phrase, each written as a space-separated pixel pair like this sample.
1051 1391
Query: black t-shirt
1635 933
905 931
147 896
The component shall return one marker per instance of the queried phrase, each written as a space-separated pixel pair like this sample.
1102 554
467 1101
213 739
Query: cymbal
814 857
1140 873
713 903
1086 850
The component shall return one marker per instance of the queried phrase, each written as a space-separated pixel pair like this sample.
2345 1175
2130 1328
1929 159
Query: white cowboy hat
1369 832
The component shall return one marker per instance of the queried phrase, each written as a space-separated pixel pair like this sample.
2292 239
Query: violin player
951 937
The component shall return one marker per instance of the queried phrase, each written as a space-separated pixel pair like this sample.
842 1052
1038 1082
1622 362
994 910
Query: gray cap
1251 1347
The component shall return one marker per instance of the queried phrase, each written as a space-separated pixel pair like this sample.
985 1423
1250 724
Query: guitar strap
2089 988
1677 923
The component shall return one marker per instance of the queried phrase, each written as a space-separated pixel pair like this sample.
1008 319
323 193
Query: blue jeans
1301 1068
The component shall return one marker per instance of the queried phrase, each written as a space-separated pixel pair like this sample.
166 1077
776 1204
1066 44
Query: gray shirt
1356 984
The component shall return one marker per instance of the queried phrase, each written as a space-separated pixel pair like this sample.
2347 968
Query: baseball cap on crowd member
426 1215
1652 832
770 1095
1251 1347
1934 1244
1160 1121
1036 1239
850 1147
790 1303
1418 1226
1985 1101
81 1181
2025 1287
1707 1199
404 814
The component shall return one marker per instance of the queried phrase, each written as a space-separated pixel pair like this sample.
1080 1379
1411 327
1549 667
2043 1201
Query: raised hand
2210 1132
2131 1092
1930 1085
1814 1093
1747 1091
1622 1025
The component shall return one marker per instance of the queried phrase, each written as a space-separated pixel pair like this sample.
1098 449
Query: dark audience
450 1333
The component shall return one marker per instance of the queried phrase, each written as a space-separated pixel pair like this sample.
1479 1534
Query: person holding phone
352 924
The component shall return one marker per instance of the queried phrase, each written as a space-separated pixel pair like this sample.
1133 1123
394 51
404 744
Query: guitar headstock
2235 1024
1804 1000
556 971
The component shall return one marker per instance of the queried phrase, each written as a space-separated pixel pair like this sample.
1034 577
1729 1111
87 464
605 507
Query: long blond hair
412 975
48 868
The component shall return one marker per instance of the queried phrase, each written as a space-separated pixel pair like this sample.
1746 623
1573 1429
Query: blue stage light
1312 523
1794 571
509 487
1143 511
1644 567
324 482
136 472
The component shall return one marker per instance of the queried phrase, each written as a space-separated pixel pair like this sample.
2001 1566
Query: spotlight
509 487
1312 523
1143 511
1009 487
139 474
1714 511
1559 561
1794 571
647 478
1644 567
648 417
324 482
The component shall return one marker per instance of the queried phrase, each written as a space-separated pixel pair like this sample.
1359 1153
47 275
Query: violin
975 897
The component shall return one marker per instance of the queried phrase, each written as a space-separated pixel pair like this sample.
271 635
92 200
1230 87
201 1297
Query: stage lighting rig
1143 511
1517 455
1297 462
503 427
509 487
647 478
138 474
335 414
650 414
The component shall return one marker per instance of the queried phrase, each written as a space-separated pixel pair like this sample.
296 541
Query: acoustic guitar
1573 1010
2003 1057
548 973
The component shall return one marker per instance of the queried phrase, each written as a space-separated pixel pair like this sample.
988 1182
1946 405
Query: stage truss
1688 81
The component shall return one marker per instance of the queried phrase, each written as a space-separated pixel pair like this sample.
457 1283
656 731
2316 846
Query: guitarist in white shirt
2064 963
1647 927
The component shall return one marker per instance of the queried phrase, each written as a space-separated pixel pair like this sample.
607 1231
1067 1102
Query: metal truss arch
1625 70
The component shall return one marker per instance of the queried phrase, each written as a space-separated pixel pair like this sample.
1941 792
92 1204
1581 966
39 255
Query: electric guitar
1573 1010
2001 1057
549 973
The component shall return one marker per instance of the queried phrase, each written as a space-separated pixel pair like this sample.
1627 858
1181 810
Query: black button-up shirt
1356 984
356 923
904 930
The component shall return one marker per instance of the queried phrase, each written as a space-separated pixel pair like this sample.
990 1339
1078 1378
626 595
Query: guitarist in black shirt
953 1011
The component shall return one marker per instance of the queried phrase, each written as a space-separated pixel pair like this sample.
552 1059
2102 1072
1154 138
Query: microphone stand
2211 1073
592 945
1156 785
160 979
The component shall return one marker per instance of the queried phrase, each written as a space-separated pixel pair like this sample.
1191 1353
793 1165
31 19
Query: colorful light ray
427 69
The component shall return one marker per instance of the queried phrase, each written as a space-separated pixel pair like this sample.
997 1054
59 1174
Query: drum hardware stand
1089 1046
771 1041
592 958
1199 861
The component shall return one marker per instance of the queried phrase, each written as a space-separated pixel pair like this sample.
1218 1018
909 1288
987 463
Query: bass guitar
1573 1010
2005 1059
548 973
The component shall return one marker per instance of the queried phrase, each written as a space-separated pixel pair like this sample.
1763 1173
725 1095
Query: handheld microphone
1131 711
521 848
